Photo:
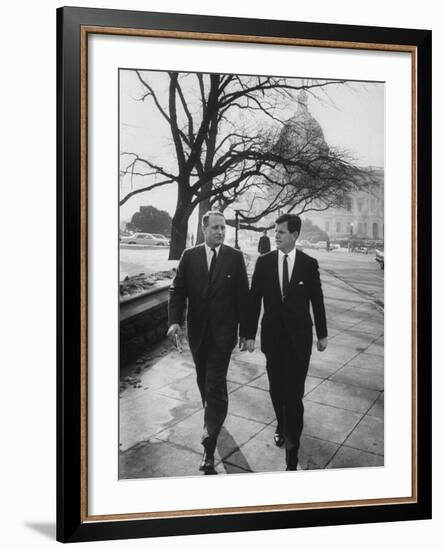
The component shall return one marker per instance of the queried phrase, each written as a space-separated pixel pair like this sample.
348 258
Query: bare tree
227 142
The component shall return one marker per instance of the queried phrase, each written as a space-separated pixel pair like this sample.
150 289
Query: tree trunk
178 237
205 205
179 227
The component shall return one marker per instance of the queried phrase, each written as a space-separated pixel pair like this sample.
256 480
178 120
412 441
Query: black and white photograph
212 189
251 273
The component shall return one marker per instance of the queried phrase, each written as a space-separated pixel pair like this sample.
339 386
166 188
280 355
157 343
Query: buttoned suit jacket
221 303
291 314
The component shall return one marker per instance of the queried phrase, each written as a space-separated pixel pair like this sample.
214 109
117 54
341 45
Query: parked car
142 238
340 243
162 238
380 257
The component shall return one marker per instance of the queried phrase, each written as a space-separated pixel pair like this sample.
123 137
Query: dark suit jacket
222 303
292 314
264 244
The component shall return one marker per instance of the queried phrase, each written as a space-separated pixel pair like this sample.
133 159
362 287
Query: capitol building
361 212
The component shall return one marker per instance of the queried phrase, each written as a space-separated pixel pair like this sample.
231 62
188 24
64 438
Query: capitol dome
302 135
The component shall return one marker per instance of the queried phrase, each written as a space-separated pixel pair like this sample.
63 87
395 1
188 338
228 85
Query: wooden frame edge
271 40
84 31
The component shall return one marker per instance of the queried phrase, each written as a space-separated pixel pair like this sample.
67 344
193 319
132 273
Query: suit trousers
287 364
211 365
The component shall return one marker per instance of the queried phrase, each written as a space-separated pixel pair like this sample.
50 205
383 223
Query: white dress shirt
291 261
209 253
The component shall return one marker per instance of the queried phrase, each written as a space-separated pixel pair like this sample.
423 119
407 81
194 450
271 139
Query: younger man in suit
288 281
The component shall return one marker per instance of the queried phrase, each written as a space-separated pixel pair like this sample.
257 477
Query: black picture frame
73 523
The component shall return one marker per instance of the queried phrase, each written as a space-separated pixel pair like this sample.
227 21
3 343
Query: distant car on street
144 238
380 257
161 237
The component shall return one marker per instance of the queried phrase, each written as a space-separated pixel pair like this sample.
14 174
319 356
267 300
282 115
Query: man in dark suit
212 279
288 281
264 243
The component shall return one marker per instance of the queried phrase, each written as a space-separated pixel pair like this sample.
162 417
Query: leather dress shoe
207 464
279 439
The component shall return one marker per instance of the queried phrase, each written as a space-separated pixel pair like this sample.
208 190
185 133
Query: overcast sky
352 118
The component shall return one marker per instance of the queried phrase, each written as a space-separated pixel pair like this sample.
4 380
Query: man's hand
174 334
173 330
242 343
322 344
250 345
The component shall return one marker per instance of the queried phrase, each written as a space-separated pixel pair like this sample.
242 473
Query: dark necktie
212 265
285 276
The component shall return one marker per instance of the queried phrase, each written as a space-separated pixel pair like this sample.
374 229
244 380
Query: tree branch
143 189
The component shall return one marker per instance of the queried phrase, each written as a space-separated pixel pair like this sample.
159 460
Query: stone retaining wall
143 322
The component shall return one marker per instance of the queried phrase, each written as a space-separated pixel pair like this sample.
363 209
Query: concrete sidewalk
161 413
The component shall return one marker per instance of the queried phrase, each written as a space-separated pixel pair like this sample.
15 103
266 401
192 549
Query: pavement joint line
141 444
174 381
177 422
345 364
328 378
156 391
224 461
359 422
254 420
342 366
179 446
190 402
369 296
358 367
341 408
376 355
239 447
243 384
348 328
234 389
244 363
333 456
310 391
373 415
347 383
363 450
342 444
350 384
320 438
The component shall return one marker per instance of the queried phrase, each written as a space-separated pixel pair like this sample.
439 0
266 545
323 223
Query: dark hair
294 222
205 218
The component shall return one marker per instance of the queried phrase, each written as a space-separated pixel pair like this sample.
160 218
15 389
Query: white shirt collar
208 249
291 255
